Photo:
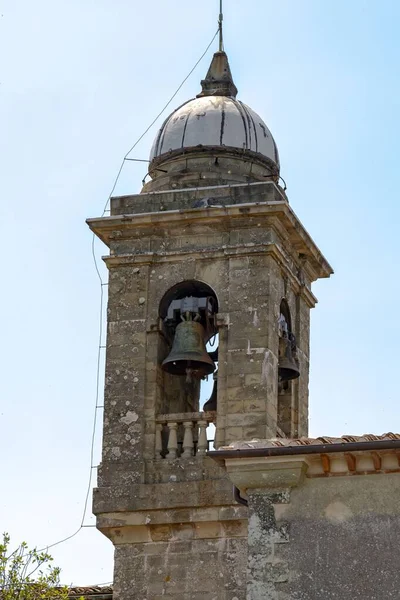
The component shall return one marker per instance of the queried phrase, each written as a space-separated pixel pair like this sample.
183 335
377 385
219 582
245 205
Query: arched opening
187 363
208 390
288 372
285 319
208 386
188 288
188 313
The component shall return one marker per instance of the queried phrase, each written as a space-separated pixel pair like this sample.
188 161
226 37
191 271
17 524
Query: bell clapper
189 375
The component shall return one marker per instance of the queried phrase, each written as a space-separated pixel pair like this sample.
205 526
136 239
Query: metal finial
220 20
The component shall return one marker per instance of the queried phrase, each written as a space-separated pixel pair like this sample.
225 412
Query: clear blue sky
79 82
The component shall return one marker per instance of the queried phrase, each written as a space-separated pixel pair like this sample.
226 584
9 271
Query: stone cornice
367 462
170 516
174 495
174 524
106 227
275 472
289 471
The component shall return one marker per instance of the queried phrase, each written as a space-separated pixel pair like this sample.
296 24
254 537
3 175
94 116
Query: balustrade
183 435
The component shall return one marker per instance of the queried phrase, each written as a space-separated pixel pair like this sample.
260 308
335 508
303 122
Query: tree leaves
28 574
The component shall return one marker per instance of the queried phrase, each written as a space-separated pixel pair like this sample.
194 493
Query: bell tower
209 252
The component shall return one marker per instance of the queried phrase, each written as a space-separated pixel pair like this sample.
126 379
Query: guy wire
101 294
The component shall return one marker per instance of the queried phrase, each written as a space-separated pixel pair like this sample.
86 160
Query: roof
217 122
305 441
92 592
325 456
304 445
218 81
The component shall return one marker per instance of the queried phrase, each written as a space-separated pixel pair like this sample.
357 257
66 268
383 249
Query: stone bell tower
209 250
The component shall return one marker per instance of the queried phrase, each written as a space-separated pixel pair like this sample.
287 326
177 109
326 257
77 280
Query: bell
188 351
287 366
211 404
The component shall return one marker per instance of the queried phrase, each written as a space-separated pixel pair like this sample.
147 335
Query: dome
213 139
215 121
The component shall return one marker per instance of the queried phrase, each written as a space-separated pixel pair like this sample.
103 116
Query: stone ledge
217 189
175 532
187 416
105 227
272 472
289 470
182 515
162 496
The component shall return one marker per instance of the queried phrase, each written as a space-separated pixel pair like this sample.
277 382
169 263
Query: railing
183 435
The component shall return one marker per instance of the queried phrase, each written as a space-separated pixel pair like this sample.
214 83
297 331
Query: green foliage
28 574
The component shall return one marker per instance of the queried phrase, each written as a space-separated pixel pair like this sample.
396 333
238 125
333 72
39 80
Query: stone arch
285 402
181 394
284 311
189 287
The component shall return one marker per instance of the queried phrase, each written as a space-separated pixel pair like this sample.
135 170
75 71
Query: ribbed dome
214 121
213 139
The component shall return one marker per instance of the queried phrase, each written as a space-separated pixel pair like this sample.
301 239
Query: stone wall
329 536
183 563
183 540
343 539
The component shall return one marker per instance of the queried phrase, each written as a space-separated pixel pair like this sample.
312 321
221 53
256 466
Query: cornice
272 471
107 227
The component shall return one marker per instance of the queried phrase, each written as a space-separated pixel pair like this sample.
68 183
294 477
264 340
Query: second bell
189 351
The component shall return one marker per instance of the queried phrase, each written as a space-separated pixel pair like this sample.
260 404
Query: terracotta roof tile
91 592
276 442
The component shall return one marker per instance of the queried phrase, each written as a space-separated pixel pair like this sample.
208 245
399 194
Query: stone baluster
158 446
172 441
202 444
187 439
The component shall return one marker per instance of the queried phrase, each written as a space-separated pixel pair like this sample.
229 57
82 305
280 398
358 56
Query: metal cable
93 431
100 346
156 118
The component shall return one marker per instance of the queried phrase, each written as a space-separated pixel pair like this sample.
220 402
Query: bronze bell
287 366
189 351
211 404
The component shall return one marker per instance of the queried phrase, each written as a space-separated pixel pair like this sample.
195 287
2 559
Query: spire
218 81
220 20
